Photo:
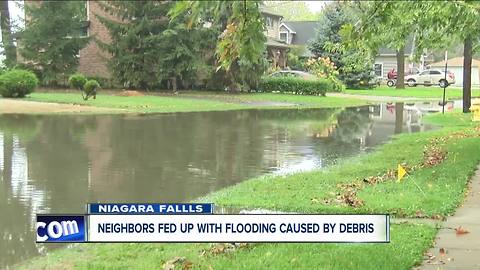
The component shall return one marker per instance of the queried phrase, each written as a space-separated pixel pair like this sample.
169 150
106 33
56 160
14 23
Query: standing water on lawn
58 163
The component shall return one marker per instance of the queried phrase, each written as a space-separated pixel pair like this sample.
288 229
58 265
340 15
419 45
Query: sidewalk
461 251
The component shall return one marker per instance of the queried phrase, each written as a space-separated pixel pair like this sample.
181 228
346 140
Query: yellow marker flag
401 172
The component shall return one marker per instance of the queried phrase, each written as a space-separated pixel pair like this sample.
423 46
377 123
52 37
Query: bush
77 81
90 89
296 85
358 79
106 83
17 83
31 67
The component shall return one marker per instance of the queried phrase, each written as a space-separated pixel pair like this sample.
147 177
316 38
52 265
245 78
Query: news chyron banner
197 223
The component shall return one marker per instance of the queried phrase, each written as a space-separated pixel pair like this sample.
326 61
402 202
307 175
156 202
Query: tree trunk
467 74
174 84
401 68
7 38
398 117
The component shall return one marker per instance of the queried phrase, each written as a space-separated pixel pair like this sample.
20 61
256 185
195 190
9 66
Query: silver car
431 77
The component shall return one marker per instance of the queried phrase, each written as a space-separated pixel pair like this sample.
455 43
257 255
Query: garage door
459 76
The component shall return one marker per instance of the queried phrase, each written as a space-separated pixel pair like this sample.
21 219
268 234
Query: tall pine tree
136 41
52 40
7 37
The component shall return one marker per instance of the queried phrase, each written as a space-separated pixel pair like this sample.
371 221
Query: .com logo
60 228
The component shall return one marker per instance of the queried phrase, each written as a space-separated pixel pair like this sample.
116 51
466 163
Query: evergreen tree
185 53
7 37
240 50
136 41
354 64
51 40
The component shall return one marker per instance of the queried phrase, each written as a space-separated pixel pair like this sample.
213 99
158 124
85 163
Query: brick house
93 60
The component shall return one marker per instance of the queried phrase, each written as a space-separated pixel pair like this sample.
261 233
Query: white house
455 65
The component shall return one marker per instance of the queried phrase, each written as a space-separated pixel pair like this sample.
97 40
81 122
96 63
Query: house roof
275 43
266 10
408 48
304 31
455 62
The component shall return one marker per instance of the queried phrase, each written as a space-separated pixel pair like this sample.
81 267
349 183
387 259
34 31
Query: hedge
296 85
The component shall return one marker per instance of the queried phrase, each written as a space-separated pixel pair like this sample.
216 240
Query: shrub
360 79
17 83
325 68
77 81
295 85
104 82
31 67
90 89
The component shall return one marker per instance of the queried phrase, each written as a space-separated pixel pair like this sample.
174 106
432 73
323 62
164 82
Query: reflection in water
56 164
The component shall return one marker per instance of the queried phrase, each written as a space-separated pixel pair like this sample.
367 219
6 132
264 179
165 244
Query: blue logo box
150 208
60 228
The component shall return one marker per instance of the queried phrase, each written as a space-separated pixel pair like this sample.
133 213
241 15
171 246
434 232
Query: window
435 72
284 36
424 73
378 70
269 22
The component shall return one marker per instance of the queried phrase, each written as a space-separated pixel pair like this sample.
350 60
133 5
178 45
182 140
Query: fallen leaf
187 265
170 264
460 230
442 252
437 217
419 214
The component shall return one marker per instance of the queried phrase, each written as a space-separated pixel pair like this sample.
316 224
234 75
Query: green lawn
419 92
401 253
429 191
195 101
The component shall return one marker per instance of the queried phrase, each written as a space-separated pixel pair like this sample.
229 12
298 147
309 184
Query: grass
433 191
436 190
417 92
401 253
304 101
192 102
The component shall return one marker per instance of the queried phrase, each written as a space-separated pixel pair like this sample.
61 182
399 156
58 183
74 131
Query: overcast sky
315 6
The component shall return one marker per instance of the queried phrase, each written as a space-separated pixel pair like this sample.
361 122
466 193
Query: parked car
293 73
431 77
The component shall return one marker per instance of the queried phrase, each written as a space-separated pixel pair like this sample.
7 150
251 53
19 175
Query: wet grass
198 101
401 253
418 92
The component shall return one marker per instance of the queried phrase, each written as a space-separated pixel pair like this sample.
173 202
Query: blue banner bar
150 208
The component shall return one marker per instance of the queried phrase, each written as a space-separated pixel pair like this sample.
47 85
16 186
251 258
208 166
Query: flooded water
57 164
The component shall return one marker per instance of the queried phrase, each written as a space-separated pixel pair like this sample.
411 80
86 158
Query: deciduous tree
446 22
387 24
